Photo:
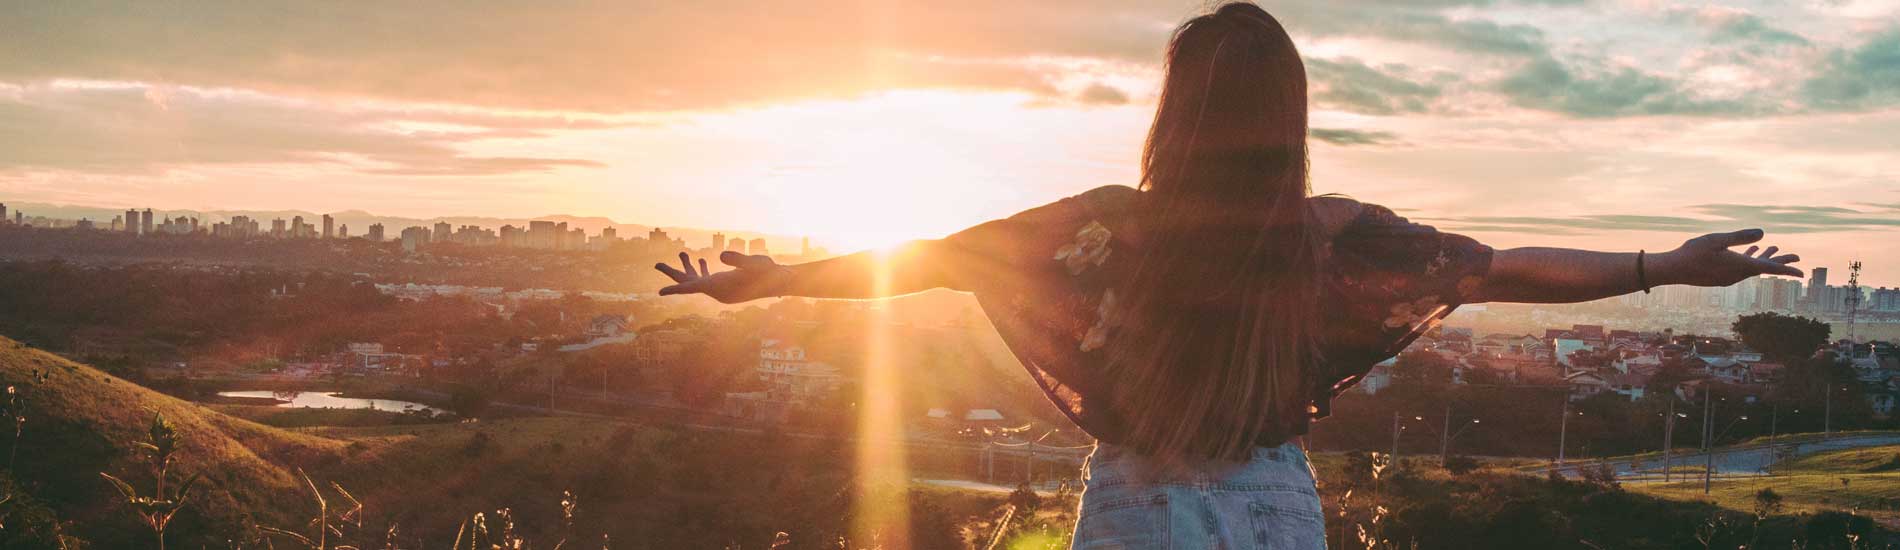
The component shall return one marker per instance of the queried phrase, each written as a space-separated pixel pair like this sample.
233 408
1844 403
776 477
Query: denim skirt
1267 503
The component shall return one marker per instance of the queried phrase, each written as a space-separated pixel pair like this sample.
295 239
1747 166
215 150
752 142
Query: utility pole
1395 434
1563 429
1708 436
1774 418
1827 406
1444 437
1669 434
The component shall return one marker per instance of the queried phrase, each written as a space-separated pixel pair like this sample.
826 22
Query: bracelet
1642 279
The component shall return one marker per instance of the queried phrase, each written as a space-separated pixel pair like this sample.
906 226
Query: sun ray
882 513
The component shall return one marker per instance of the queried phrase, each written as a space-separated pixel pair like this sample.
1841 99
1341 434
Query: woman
1196 325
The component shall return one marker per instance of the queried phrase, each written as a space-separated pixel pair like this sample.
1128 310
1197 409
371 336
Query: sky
1608 124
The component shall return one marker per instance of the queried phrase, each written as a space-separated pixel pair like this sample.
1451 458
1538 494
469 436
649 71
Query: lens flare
882 511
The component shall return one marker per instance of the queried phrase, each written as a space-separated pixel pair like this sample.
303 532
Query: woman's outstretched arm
1562 275
915 266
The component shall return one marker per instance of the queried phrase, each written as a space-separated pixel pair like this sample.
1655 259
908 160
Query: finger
674 272
688 262
702 267
1770 252
682 288
1737 238
1786 258
743 261
1783 269
1751 251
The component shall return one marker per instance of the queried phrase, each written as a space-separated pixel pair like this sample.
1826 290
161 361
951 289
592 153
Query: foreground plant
156 510
326 523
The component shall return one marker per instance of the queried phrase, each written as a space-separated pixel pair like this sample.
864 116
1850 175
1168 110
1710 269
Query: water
329 400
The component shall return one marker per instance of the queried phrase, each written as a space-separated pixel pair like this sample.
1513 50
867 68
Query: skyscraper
3 212
376 232
329 225
736 245
442 231
756 247
145 222
719 241
132 221
342 231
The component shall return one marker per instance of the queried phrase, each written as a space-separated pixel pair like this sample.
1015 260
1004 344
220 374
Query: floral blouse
1388 281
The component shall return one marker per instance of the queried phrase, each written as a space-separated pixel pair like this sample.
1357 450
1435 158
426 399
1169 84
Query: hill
79 421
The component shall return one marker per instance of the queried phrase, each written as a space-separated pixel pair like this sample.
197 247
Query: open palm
1707 260
754 277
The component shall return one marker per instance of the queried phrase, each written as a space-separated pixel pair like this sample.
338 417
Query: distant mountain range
359 222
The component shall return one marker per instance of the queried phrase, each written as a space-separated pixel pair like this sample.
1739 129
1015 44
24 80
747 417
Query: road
1746 460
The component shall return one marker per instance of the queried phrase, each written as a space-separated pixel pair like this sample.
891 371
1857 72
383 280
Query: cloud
1602 91
131 128
1717 217
607 57
1866 77
1347 137
1349 84
1103 94
1752 28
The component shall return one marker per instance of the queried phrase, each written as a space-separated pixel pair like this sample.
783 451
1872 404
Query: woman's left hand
1707 261
755 277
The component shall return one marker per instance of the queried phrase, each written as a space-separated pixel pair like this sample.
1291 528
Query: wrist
1664 268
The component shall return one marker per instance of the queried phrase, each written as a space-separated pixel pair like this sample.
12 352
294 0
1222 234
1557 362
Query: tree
468 401
1782 338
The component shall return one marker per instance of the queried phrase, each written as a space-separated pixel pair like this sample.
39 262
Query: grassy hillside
1865 481
80 422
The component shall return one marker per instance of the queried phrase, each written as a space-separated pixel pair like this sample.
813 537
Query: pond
328 400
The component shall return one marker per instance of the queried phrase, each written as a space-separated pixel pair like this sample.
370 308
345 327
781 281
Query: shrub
1460 465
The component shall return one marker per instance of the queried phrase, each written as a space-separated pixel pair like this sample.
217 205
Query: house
1563 348
1763 372
1636 361
607 326
790 375
1377 378
1630 385
1584 384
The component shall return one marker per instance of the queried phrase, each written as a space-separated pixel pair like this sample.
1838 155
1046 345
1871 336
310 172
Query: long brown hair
1222 304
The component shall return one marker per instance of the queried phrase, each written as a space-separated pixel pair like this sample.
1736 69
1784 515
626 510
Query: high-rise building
610 234
442 232
277 229
118 223
736 245
145 222
132 221
414 237
329 226
3 212
376 232
1817 285
756 247
719 241
343 231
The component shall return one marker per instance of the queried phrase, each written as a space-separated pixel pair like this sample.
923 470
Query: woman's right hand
754 277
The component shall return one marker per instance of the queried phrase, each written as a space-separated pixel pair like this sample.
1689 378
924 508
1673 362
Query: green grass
1802 493
1862 460
81 421
1850 480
